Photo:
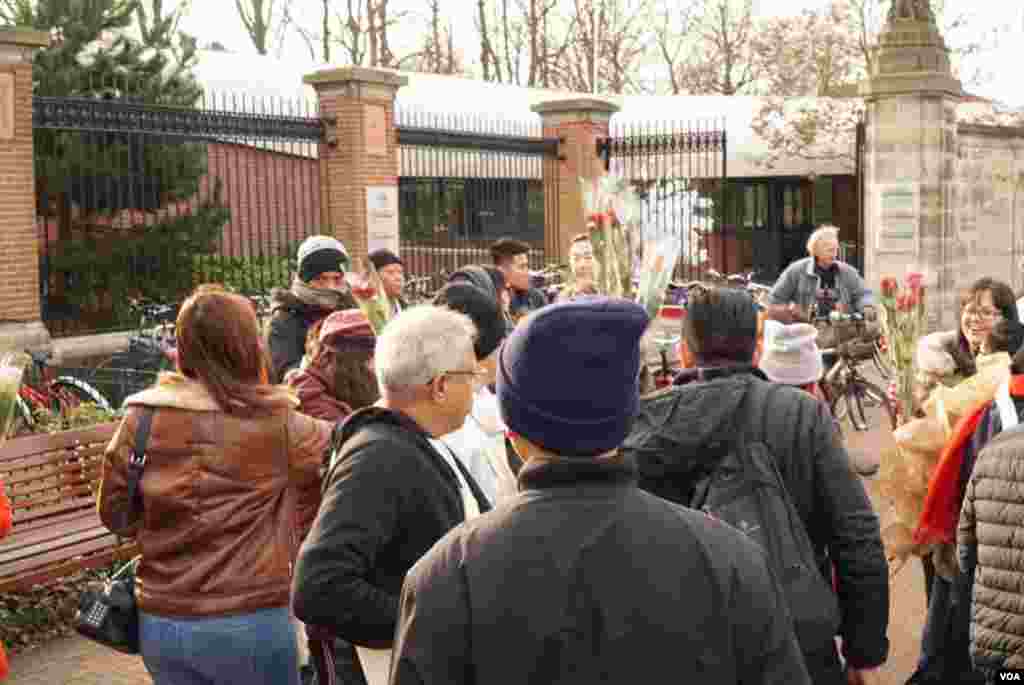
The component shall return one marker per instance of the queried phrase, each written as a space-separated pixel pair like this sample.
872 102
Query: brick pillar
359 161
578 124
910 161
20 324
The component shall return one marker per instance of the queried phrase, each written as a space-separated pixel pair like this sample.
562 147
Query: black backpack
738 482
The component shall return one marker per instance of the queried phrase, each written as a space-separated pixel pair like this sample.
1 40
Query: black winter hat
383 257
568 378
481 308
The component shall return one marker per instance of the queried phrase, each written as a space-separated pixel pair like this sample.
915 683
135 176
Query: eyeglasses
985 314
478 375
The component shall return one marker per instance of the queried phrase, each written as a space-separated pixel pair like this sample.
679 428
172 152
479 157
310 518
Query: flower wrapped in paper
12 369
368 291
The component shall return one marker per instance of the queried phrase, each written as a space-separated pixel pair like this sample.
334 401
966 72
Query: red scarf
942 503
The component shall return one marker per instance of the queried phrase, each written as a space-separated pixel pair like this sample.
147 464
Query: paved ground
76 661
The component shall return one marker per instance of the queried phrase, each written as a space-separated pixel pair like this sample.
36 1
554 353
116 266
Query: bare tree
257 16
439 55
717 58
607 42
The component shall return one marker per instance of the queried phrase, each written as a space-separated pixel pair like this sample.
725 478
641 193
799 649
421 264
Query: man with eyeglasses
392 489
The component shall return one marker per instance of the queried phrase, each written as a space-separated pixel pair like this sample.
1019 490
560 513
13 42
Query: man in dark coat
582 577
513 258
722 390
392 488
317 290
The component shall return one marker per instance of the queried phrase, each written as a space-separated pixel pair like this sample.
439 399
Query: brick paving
76 661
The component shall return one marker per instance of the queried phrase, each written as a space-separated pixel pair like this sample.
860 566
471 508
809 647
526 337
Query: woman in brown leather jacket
228 455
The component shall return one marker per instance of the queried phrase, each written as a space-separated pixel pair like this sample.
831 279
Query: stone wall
988 200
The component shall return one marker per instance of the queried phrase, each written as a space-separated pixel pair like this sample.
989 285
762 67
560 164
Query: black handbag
108 614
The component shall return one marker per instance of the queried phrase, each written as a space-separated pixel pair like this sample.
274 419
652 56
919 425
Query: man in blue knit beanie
582 577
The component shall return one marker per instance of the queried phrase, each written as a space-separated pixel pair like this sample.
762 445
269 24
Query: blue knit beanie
568 377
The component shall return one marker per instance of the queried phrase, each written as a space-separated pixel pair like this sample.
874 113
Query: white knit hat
790 353
320 253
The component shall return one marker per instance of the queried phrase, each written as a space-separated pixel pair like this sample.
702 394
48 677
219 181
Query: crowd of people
482 494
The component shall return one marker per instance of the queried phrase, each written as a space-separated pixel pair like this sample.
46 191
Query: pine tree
126 205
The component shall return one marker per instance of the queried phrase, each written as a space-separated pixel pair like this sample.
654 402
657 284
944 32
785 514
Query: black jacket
829 496
525 301
388 496
583 578
290 321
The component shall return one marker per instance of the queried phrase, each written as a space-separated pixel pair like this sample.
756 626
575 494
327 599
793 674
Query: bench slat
29 524
32 445
74 474
61 546
57 570
45 461
11 546
52 493
65 505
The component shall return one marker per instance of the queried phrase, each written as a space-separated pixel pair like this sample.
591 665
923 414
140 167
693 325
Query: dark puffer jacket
830 498
583 578
991 541
290 321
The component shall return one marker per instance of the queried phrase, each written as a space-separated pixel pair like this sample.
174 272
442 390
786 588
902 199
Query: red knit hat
348 323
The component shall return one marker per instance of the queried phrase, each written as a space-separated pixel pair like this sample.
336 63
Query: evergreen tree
127 205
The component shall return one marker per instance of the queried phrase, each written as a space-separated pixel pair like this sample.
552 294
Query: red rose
903 303
889 287
915 280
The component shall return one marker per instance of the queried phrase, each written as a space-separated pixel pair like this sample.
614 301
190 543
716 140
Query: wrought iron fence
466 181
679 169
144 200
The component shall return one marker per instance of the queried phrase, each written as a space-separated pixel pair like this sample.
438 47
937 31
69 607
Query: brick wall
19 262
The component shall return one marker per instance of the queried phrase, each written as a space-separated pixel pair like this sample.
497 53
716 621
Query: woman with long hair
228 456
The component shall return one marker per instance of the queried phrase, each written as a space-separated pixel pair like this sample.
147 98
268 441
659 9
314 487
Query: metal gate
680 173
137 200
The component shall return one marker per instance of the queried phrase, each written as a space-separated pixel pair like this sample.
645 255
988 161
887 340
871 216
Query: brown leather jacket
218 531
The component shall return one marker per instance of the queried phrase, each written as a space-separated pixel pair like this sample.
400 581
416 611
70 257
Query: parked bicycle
43 390
846 390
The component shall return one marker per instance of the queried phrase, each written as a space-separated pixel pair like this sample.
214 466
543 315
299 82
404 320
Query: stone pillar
578 124
910 161
359 162
20 324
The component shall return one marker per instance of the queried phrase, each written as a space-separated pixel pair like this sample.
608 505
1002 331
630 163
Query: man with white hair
819 280
392 488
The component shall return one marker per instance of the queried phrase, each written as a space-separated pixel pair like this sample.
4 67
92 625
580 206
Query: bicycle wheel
881 362
71 392
858 390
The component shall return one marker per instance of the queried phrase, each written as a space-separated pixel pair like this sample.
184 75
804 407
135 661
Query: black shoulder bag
108 614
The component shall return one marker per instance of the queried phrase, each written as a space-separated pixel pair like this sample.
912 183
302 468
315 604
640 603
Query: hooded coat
291 318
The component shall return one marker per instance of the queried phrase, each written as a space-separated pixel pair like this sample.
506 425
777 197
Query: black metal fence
466 181
143 200
679 170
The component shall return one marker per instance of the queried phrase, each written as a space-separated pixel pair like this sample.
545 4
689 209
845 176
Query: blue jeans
247 649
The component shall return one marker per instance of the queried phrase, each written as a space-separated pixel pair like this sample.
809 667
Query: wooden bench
52 481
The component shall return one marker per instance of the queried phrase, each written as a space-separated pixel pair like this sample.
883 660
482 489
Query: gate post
578 124
910 157
359 164
20 323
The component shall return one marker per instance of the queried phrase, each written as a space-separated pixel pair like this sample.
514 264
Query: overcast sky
217 20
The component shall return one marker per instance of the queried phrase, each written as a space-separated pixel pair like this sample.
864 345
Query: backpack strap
137 460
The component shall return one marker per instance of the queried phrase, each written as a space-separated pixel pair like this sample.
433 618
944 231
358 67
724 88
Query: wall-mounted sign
899 215
375 129
382 218
6 106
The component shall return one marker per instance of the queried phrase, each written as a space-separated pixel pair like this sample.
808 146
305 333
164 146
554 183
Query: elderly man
583 268
582 577
819 281
392 488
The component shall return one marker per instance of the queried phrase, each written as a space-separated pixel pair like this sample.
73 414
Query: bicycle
43 390
844 386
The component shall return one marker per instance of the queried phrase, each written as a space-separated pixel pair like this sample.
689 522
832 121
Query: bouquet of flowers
368 291
631 262
903 323
12 368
